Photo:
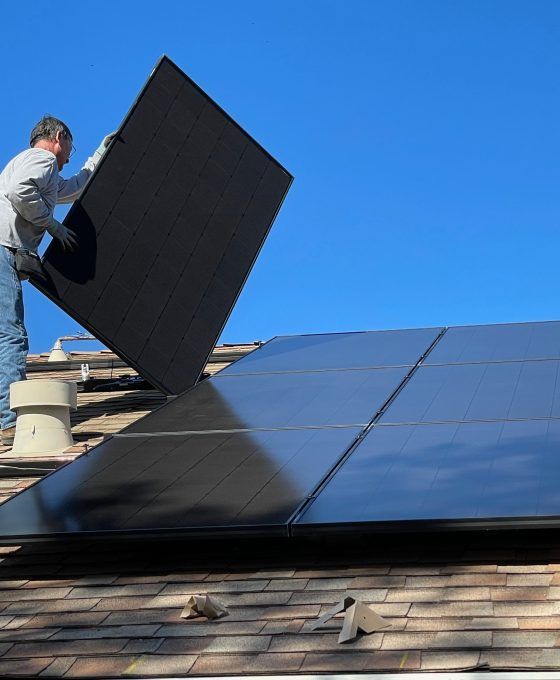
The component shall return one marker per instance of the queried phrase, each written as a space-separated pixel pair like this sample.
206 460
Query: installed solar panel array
168 230
426 428
473 439
239 452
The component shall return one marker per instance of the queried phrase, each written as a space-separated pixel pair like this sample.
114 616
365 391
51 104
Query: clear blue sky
424 137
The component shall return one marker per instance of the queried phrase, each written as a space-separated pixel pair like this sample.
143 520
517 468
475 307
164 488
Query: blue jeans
13 336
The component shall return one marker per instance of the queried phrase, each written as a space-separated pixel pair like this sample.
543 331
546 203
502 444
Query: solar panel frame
115 314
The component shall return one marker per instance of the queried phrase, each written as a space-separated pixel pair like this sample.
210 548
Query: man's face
63 149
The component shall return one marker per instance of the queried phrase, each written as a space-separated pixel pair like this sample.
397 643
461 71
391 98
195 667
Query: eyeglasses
73 148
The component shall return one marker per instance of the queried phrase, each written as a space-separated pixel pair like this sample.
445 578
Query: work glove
61 233
105 143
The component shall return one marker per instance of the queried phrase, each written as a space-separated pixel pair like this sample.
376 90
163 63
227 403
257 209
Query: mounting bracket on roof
204 605
358 616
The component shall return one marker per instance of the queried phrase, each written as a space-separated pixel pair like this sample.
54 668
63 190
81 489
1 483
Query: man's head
53 135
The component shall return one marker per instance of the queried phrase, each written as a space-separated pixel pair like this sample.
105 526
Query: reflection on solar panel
477 473
169 228
503 391
247 482
342 432
475 441
498 342
337 350
238 451
277 400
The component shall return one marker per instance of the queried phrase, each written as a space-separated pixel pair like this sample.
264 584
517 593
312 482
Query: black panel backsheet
169 228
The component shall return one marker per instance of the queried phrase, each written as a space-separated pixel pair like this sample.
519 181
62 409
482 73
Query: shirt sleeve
70 189
34 176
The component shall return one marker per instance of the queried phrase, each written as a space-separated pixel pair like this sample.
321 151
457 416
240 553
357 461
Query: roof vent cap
58 354
43 416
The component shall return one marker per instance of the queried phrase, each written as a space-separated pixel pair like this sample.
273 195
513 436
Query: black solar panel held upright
168 227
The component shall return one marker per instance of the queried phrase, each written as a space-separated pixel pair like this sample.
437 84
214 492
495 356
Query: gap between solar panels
473 441
300 512
169 227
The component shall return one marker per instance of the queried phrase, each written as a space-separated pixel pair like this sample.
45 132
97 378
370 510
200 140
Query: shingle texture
103 609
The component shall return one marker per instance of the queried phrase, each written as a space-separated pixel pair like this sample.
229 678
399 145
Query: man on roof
30 187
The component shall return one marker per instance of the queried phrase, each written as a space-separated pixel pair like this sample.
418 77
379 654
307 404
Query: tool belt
28 265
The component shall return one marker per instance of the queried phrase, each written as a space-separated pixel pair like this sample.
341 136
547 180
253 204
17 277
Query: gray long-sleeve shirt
30 187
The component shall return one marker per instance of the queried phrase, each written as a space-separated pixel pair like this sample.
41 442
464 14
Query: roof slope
107 610
97 610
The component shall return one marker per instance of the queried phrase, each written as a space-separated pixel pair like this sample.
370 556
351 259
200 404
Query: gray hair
47 128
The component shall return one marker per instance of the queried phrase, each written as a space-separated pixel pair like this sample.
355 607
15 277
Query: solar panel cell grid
329 398
337 350
455 466
243 481
510 390
445 472
179 193
499 342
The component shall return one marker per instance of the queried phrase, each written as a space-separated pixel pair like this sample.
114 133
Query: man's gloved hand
61 233
105 143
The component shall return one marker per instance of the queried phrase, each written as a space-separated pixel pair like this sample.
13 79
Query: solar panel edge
227 116
104 340
368 330
367 353
250 269
241 531
427 526
507 323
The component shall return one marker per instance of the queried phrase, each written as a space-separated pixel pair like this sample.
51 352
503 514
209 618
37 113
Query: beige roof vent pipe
43 416
58 353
